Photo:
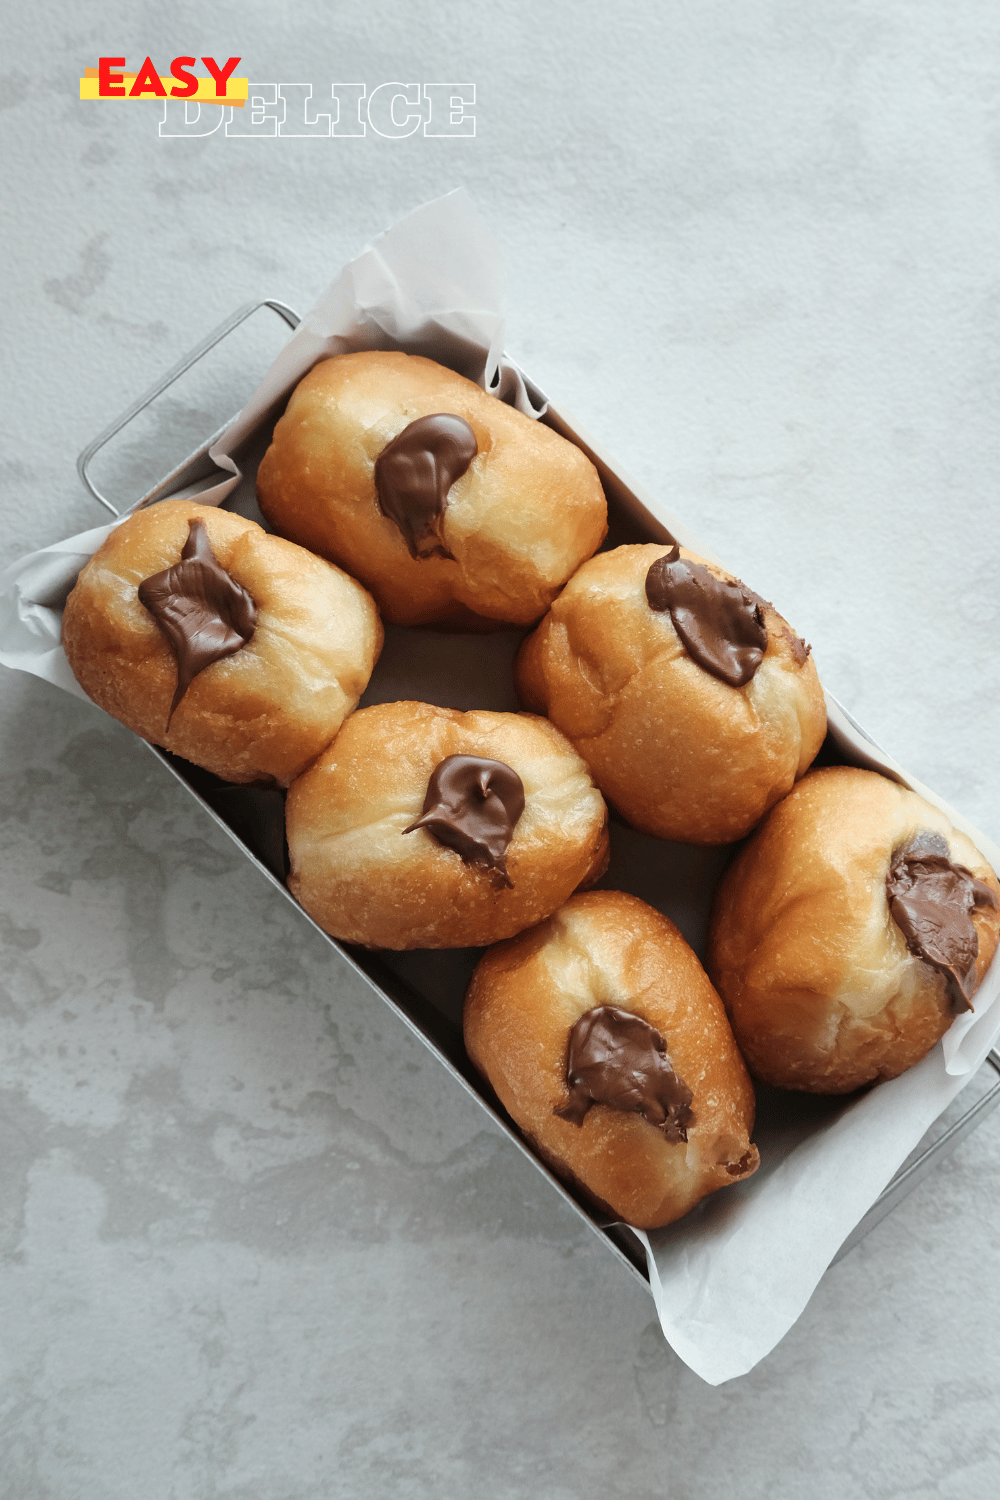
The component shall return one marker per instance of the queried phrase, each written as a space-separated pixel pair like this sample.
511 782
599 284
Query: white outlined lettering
297 121
347 120
291 111
181 117
447 113
382 109
261 113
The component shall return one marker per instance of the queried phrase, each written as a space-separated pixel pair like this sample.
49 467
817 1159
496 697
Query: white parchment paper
433 284
731 1278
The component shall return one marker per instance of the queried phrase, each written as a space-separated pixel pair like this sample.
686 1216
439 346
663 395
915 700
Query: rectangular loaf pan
890 1136
425 990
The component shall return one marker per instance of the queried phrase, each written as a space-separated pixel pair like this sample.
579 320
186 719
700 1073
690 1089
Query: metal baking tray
428 1006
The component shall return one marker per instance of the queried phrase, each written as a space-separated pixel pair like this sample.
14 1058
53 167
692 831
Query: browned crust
523 517
365 881
260 715
605 947
679 753
821 990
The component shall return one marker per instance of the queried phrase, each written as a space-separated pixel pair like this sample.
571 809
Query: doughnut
452 508
604 1040
237 650
849 931
423 827
693 703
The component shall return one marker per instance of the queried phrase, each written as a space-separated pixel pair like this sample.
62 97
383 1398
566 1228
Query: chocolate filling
472 806
931 900
204 614
617 1058
720 623
414 473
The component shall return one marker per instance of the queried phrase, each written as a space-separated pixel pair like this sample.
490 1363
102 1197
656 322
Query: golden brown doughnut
266 708
680 752
489 525
386 853
546 1007
815 940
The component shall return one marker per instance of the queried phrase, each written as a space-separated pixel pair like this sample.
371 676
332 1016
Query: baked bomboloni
453 508
849 932
604 1040
237 650
424 827
693 702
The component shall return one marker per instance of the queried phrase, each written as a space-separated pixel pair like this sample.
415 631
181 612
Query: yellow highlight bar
237 90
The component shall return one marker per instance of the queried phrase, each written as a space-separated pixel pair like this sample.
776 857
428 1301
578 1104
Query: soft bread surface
261 714
821 989
678 752
606 948
364 881
518 522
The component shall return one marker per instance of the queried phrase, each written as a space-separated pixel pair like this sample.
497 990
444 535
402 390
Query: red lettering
147 81
220 74
179 70
110 85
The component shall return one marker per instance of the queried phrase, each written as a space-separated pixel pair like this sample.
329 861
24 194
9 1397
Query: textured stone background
753 247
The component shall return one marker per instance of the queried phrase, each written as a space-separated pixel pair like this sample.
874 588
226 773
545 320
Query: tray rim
618 1237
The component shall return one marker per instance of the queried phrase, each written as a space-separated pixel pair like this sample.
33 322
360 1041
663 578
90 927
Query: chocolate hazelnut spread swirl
720 622
931 901
204 614
472 806
414 474
618 1059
